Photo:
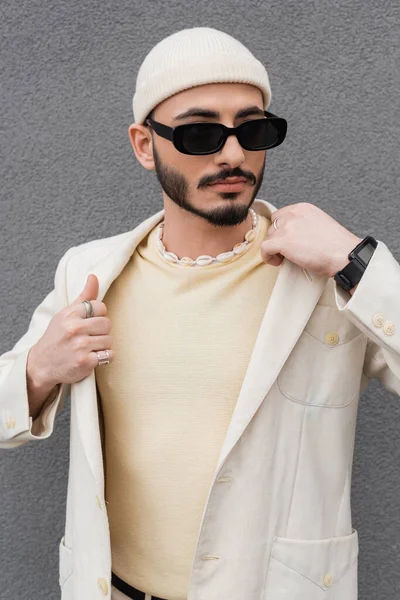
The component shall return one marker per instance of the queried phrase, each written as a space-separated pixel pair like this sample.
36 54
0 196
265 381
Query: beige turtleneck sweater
182 341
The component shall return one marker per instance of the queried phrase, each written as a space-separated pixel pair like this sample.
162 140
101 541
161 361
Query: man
212 431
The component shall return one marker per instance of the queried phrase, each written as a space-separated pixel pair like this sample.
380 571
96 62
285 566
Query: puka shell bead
186 260
250 235
204 260
170 256
239 248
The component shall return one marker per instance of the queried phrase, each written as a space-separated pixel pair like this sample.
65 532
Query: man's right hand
66 353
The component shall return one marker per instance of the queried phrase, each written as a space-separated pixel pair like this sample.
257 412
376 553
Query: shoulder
96 245
84 255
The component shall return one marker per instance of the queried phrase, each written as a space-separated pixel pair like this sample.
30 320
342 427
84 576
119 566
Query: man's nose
231 152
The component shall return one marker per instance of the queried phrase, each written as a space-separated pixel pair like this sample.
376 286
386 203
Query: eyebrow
196 111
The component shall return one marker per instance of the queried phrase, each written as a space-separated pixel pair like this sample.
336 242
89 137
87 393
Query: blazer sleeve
374 308
16 426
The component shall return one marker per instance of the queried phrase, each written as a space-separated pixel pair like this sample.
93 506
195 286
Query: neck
189 235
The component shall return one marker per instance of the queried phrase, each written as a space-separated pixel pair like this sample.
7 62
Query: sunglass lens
259 134
201 138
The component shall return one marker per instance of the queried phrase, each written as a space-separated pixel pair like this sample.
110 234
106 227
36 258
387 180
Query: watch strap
351 274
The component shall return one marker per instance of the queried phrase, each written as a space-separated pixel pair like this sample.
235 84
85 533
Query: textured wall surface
69 175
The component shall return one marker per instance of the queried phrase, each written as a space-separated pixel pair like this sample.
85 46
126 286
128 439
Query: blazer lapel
292 301
106 266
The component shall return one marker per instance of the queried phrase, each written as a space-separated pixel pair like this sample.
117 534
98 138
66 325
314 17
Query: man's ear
142 143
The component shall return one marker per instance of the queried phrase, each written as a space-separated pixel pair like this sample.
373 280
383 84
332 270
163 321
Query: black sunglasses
207 138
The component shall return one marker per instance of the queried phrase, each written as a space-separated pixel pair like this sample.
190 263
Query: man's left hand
308 237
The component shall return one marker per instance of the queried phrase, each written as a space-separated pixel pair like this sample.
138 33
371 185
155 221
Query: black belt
129 590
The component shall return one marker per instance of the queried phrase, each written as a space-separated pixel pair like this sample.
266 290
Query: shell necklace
205 259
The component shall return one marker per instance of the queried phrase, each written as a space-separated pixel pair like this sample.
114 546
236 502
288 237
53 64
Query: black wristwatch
359 258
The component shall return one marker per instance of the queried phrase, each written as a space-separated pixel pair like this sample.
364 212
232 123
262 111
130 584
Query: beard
177 188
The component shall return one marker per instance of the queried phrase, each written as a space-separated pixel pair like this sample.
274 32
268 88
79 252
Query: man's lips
230 180
230 186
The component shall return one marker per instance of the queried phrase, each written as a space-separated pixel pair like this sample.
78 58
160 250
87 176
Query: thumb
90 291
275 260
272 259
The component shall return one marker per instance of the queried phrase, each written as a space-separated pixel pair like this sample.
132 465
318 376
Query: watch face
365 254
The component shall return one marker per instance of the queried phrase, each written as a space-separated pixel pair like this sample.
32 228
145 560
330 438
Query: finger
94 326
100 342
78 309
90 291
269 248
275 260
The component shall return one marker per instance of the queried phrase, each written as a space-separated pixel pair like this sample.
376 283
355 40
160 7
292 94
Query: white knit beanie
193 57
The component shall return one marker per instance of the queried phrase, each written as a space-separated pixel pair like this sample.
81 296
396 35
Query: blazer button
389 328
378 320
328 579
332 338
103 584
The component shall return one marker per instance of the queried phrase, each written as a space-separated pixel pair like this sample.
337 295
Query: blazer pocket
65 556
321 569
325 365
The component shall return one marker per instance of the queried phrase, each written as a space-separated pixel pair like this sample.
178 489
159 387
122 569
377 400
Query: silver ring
88 308
274 223
103 360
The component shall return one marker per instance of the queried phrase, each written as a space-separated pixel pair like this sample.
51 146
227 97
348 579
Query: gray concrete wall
69 175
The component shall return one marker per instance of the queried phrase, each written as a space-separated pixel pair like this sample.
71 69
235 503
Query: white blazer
277 522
